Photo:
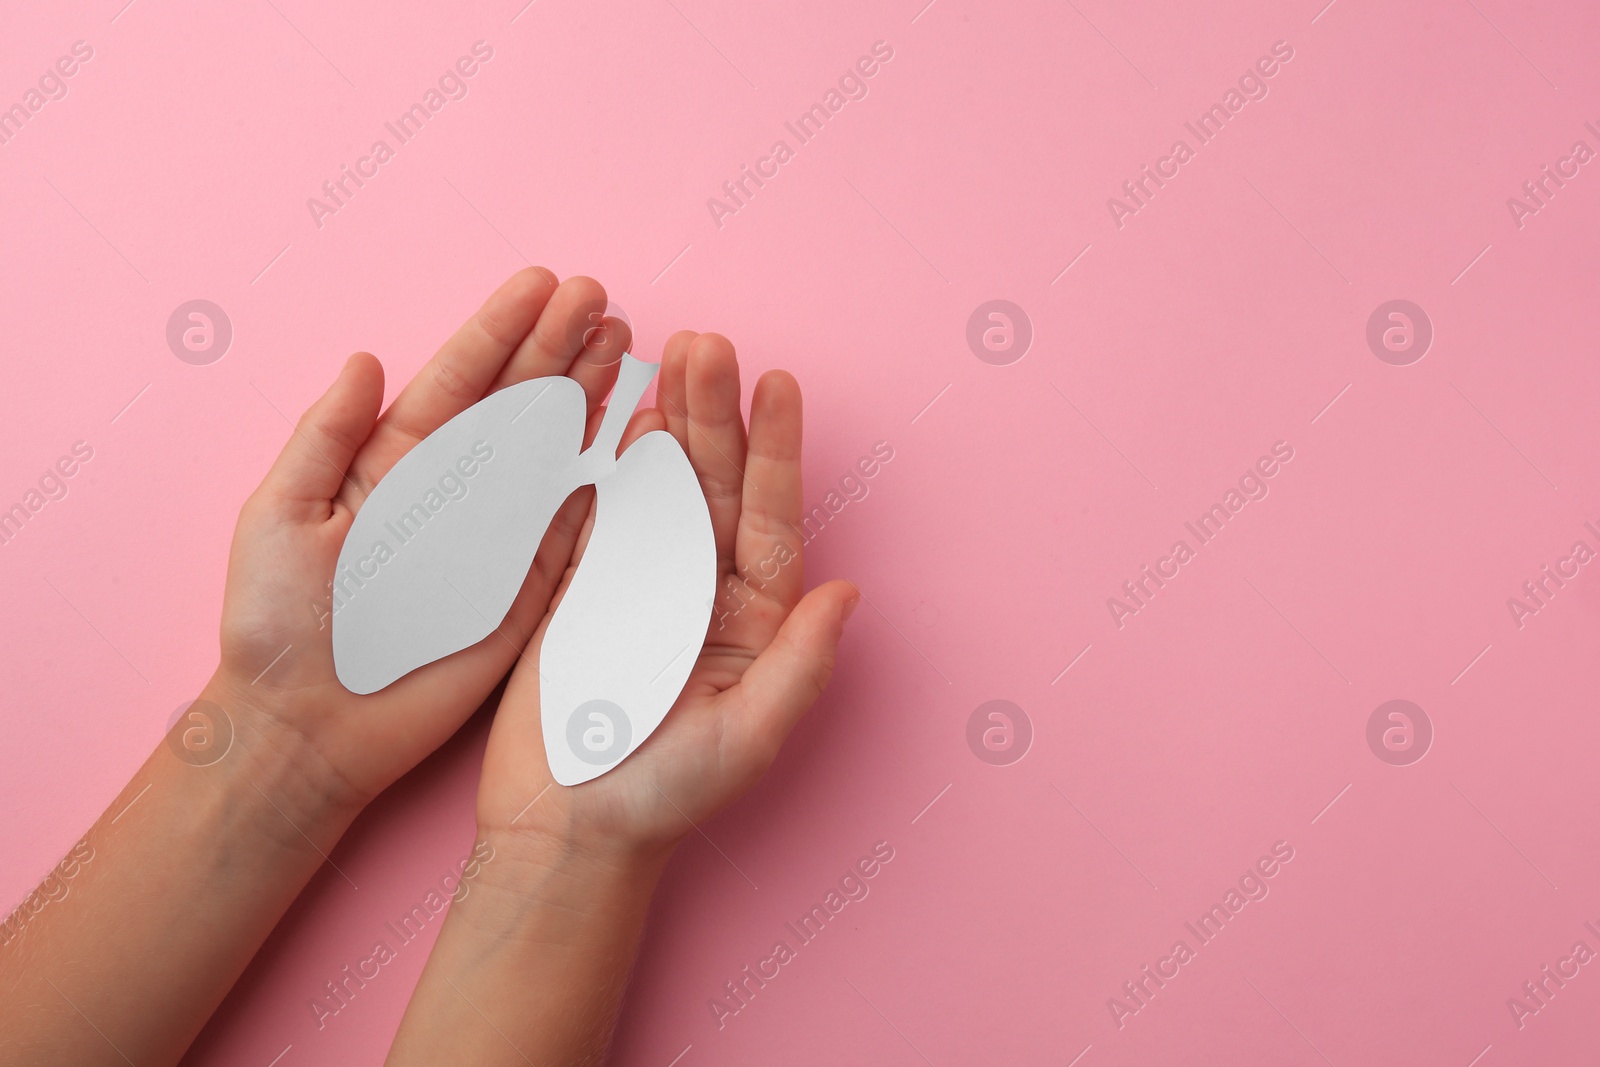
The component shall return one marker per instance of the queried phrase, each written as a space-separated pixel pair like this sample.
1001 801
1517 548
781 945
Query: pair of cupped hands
770 648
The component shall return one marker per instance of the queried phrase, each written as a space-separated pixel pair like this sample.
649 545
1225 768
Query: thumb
312 466
789 675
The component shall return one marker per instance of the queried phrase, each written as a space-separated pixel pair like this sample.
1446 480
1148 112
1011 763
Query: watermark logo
350 578
999 733
999 332
453 83
51 86
1537 993
1537 592
598 732
1252 887
1399 332
1537 194
852 85
586 327
199 332
1399 733
55 887
1139 592
851 488
339 993
200 733
1252 85
852 887
52 485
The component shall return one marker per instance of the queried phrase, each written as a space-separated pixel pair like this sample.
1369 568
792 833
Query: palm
748 685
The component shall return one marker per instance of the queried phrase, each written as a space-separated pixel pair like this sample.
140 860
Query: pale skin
192 865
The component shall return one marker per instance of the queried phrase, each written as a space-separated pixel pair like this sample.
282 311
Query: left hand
277 656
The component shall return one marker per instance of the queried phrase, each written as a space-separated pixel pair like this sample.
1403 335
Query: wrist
244 746
535 886
542 942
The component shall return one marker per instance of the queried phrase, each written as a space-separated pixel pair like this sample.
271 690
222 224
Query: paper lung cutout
440 548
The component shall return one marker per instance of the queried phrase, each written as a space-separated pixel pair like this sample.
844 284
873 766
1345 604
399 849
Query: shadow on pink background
1175 342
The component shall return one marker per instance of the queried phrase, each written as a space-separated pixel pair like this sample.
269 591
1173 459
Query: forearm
532 963
171 893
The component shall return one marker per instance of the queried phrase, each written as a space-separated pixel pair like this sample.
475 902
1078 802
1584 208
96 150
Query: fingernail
849 608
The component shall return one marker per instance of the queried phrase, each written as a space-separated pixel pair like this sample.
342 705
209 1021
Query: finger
769 536
459 375
573 315
596 367
556 556
670 395
791 672
644 421
640 423
716 436
312 466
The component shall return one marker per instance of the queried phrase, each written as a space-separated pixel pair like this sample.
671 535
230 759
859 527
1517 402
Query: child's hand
768 656
277 656
530 967
200 855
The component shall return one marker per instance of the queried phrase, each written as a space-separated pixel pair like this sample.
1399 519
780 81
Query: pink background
1223 317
